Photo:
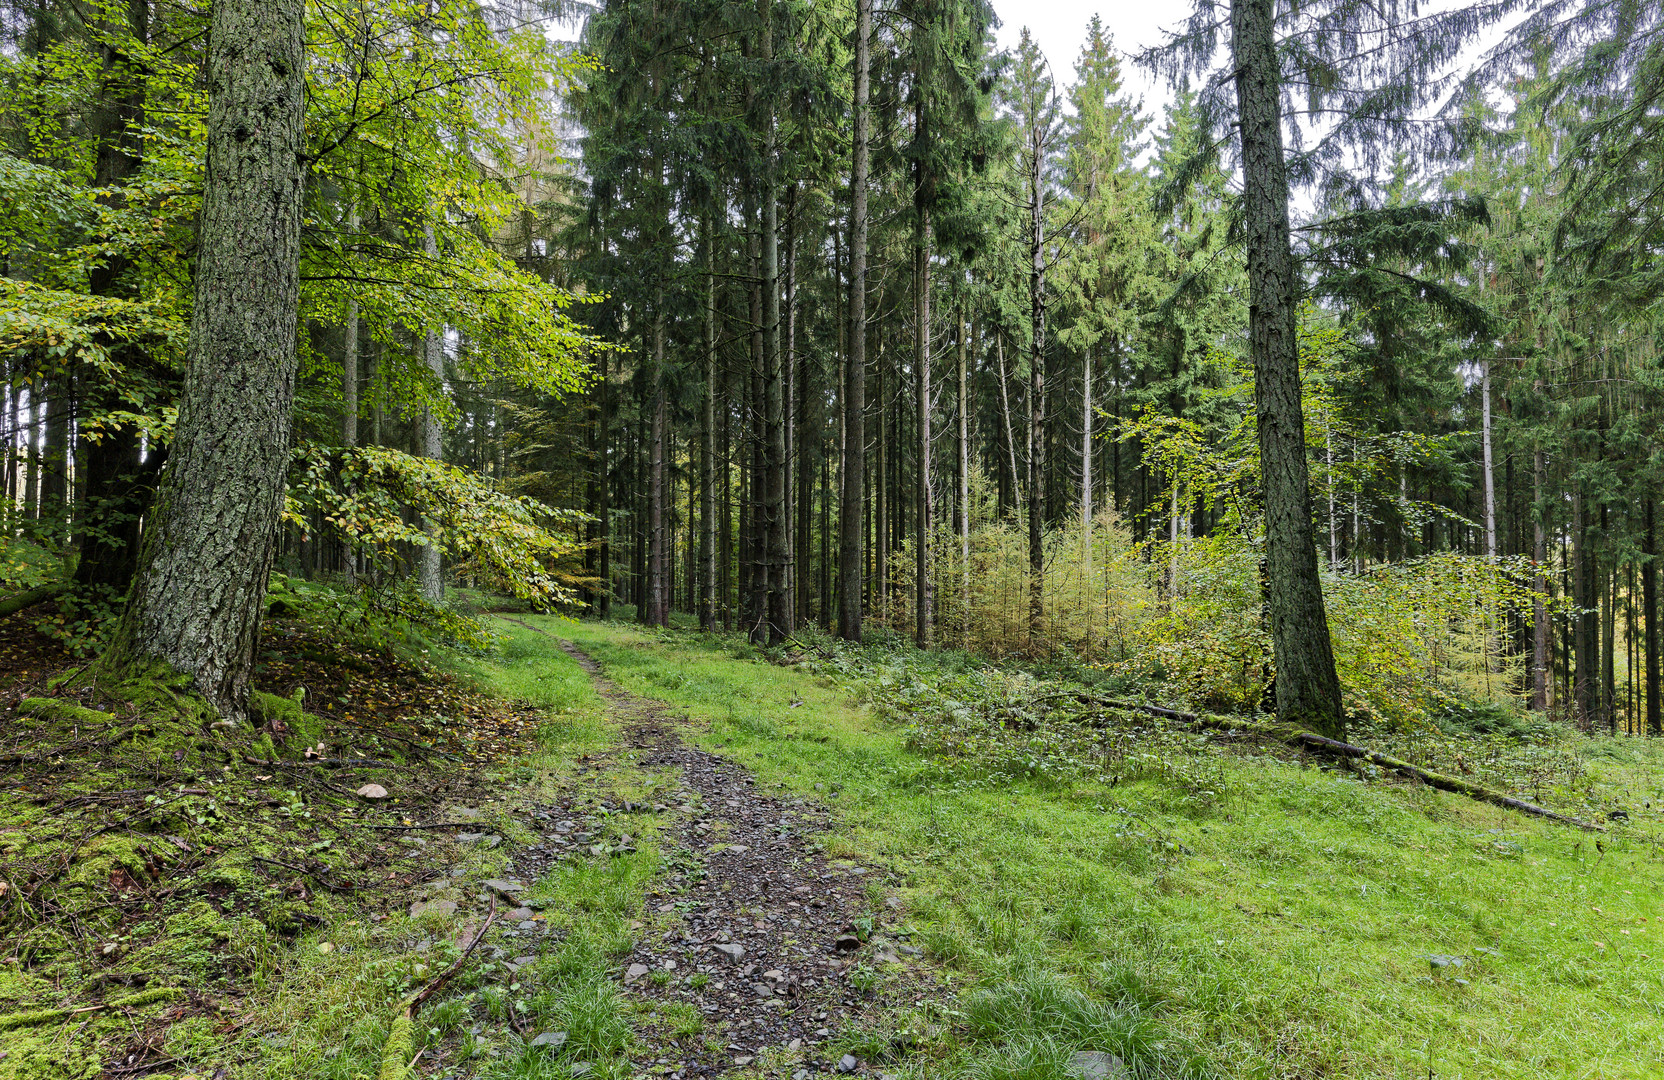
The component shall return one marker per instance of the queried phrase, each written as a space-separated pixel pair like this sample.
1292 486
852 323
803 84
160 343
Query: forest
417 416
815 316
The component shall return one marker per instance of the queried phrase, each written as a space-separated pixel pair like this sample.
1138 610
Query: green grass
1282 929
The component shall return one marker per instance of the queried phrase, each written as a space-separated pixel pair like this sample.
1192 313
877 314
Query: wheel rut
774 946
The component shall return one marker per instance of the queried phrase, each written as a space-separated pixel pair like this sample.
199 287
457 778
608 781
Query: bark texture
852 498
201 590
1308 690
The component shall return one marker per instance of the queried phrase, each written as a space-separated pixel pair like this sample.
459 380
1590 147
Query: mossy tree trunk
1308 689
201 588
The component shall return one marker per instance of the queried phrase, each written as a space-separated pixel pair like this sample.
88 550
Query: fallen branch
13 1021
16 602
321 879
1290 735
327 763
396 1059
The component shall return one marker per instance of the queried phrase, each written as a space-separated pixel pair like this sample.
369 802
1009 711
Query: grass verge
1296 921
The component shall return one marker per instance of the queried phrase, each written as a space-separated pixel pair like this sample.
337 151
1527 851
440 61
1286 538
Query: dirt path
771 942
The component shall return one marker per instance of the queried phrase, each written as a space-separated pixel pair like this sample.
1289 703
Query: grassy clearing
1295 922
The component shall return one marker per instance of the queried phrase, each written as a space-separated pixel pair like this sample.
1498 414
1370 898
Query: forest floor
614 853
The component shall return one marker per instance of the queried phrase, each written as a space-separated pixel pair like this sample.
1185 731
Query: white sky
1060 28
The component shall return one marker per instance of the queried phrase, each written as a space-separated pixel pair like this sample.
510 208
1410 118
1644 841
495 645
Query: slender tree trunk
1308 689
349 396
1334 526
1542 680
852 499
1086 419
1608 607
657 607
707 456
200 593
1584 675
776 542
1649 615
429 560
1037 383
1490 472
1005 416
923 587
963 502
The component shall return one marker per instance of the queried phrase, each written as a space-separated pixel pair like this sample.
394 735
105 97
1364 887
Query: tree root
1290 735
53 709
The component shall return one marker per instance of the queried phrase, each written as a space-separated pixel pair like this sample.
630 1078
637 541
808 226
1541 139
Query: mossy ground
152 848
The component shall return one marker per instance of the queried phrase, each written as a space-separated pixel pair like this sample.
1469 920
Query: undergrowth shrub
1183 621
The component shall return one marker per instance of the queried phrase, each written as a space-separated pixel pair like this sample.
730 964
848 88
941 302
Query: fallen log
16 602
1290 735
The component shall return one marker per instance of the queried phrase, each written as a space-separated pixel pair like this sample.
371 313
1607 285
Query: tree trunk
349 395
1037 383
1542 681
1005 417
201 590
1490 472
1649 615
1308 690
1584 673
923 588
430 560
1086 419
707 456
852 499
656 609
963 501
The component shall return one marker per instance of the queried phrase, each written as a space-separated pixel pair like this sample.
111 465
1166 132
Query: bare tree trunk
852 499
1649 613
1584 633
657 606
964 478
707 456
1334 526
428 565
1037 382
1490 474
349 395
776 538
200 593
1542 682
923 587
1086 419
1005 415
1308 689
